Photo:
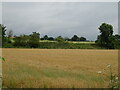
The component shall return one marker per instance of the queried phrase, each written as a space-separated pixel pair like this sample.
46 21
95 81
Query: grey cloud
0 12
56 19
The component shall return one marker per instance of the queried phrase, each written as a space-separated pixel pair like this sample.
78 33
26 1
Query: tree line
106 38
31 40
74 38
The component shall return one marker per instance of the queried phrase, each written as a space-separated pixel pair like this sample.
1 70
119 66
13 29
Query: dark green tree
34 40
106 38
117 41
82 39
75 38
45 37
31 41
2 35
35 35
60 39
51 38
2 30
22 41
117 37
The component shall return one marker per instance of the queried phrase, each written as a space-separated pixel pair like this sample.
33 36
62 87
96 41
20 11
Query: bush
30 41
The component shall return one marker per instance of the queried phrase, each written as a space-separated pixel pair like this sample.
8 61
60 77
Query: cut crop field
57 68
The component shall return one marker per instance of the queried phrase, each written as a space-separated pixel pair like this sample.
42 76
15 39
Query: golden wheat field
57 68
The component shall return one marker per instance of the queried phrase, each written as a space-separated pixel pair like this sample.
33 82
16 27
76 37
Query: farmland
57 68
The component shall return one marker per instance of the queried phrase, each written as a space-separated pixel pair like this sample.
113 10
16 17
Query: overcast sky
61 18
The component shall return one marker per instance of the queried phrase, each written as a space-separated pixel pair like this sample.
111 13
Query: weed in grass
110 76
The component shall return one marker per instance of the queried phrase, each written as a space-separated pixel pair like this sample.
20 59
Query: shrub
110 76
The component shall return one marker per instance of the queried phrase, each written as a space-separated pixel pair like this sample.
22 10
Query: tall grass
51 68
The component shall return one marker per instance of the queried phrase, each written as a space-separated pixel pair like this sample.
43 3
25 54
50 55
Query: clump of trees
61 39
76 38
106 38
31 41
47 38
